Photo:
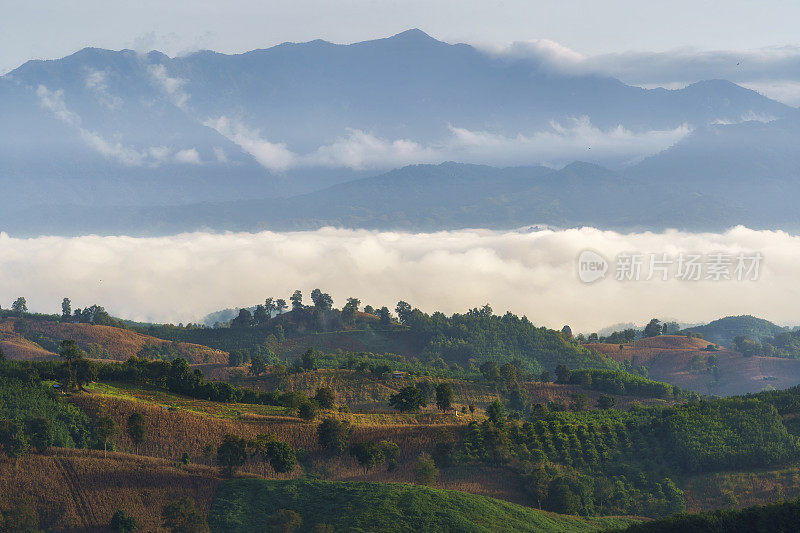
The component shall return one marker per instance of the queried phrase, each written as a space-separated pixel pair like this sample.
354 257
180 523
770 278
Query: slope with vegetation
38 337
258 505
697 365
723 331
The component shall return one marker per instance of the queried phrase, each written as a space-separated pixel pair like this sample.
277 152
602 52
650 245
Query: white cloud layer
559 145
183 277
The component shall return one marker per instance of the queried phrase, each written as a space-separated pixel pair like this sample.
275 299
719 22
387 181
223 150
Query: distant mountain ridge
103 128
419 198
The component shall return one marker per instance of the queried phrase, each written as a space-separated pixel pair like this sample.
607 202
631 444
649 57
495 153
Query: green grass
233 411
250 505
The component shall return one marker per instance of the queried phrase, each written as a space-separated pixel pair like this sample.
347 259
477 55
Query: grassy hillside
28 338
779 517
254 505
80 490
687 363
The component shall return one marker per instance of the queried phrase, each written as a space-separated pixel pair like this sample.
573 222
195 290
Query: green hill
722 331
256 505
783 517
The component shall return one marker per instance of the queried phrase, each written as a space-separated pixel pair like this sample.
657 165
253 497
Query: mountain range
304 135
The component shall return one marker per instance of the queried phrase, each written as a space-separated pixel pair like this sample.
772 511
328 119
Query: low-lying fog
183 277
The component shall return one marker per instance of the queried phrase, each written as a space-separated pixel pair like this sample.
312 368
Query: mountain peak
413 35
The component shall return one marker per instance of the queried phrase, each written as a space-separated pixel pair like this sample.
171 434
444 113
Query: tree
403 311
13 442
425 471
270 306
282 457
567 332
40 433
562 374
231 454
261 315
544 377
236 358
284 521
427 389
325 397
444 396
2 356
297 300
84 372
653 328
409 398
371 454
322 301
280 305
257 365
579 402
70 351
307 411
537 482
20 306
560 497
509 373
244 320
104 429
183 516
349 310
122 522
309 360
606 401
137 428
490 371
496 413
66 309
333 435
385 316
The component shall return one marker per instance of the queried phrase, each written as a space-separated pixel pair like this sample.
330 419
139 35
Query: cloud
173 87
274 156
97 81
53 101
559 145
189 156
527 272
358 150
773 71
562 144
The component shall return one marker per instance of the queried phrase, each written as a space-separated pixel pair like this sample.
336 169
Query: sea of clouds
181 278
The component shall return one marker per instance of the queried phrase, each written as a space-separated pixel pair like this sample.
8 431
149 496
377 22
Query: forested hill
466 340
723 331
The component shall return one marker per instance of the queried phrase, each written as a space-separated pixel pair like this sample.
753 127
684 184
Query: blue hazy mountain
116 128
420 198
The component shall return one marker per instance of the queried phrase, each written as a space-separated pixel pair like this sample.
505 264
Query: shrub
122 522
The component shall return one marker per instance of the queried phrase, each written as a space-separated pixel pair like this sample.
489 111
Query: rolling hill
28 338
684 362
250 504
722 331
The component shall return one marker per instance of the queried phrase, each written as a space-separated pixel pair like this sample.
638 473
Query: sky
643 43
